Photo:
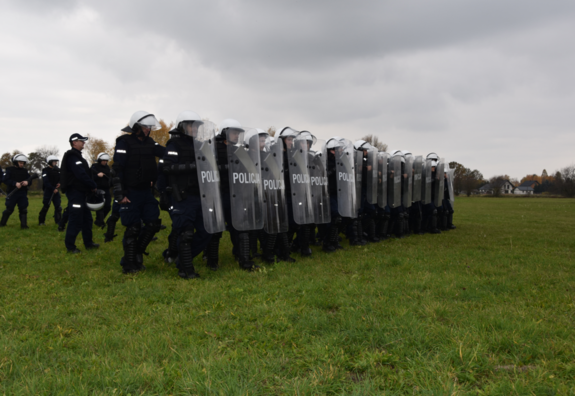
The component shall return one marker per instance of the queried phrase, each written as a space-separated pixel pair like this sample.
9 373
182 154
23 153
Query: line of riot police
283 193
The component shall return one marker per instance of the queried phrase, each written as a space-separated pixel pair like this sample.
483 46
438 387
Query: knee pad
133 231
187 235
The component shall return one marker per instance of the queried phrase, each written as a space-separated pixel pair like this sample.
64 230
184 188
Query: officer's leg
10 204
23 210
129 262
244 252
304 237
171 253
185 257
87 229
254 253
150 215
57 200
111 222
45 207
382 223
75 215
283 248
268 248
212 251
201 237
369 222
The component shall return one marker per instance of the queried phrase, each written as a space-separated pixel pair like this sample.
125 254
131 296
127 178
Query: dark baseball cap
77 136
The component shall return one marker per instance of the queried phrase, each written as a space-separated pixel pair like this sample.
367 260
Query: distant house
526 188
506 188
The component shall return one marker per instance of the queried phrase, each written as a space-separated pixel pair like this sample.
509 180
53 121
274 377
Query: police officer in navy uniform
101 174
50 185
16 178
76 182
179 166
136 172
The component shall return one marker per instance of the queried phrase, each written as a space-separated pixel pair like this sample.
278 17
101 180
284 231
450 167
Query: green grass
485 309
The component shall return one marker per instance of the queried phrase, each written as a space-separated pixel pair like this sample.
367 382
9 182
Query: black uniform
77 183
50 181
14 175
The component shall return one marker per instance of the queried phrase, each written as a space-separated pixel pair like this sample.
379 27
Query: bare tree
272 131
374 141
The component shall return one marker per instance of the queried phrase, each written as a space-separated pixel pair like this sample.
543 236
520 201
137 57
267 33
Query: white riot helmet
95 201
103 157
52 158
398 153
393 152
229 123
287 132
186 117
333 143
19 158
362 145
253 132
406 153
139 119
309 137
434 158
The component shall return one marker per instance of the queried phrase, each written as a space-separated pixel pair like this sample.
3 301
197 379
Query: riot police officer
101 175
50 185
76 182
181 167
136 172
430 210
17 178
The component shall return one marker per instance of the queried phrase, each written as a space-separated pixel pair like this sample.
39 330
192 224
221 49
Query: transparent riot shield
346 189
318 180
300 181
276 212
417 173
209 177
372 176
358 166
450 177
438 183
407 182
246 196
382 159
426 182
394 182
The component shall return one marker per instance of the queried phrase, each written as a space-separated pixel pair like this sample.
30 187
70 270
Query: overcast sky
489 84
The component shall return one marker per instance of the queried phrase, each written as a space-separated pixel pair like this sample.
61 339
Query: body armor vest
67 178
141 169
187 182
17 174
102 183
53 176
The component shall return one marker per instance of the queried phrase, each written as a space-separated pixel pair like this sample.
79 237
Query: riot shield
394 182
372 176
346 189
438 182
450 177
407 182
318 179
417 172
209 177
276 212
382 159
299 181
426 182
358 167
246 197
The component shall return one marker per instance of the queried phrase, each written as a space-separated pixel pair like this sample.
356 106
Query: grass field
484 309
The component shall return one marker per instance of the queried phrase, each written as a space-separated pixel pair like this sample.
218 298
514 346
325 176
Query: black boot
382 227
171 253
283 248
269 247
450 225
5 216
186 268
24 220
147 235
212 251
111 223
244 252
355 239
303 236
58 214
129 261
254 245
370 229
330 242
433 226
444 221
99 222
399 226
42 215
391 225
406 231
